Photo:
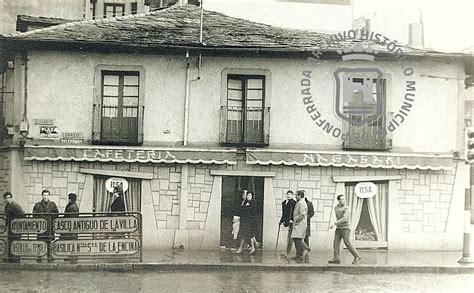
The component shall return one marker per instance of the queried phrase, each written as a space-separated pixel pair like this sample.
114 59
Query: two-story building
187 114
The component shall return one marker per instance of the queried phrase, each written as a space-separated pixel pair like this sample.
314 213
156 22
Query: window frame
244 75
114 5
98 103
385 141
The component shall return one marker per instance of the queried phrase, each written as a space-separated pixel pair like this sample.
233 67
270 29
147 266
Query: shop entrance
232 189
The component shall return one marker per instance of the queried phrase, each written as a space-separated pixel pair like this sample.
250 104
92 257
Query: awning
351 159
131 155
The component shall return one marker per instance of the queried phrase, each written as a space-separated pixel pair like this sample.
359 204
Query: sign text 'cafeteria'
118 224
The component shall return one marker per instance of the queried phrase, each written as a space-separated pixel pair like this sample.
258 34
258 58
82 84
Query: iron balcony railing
245 125
370 136
118 124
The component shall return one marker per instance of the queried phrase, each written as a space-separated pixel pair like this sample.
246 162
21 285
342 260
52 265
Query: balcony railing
118 124
370 136
245 125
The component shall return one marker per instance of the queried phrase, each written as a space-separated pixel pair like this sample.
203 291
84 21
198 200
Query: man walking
343 231
286 219
46 206
300 214
310 215
12 210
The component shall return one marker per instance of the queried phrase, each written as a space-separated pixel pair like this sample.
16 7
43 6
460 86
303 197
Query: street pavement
373 261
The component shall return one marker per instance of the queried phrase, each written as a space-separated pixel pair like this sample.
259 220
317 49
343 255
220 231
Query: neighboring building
189 124
48 11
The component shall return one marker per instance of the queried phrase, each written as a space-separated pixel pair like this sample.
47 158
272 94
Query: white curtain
355 203
103 198
378 211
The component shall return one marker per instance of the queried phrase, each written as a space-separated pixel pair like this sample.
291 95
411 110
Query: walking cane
278 237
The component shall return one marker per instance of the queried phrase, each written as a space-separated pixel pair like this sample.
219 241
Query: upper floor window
244 117
370 135
114 9
119 117
134 8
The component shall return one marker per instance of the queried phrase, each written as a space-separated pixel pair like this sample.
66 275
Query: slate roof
179 27
24 22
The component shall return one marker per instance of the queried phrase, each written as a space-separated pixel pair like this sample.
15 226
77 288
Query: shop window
369 215
114 9
103 198
118 115
244 117
370 135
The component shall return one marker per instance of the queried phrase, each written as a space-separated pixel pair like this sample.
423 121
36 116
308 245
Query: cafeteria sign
365 189
115 181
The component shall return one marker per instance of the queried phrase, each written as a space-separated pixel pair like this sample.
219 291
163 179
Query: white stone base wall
423 204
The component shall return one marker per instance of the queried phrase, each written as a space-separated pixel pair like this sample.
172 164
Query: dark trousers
343 234
289 241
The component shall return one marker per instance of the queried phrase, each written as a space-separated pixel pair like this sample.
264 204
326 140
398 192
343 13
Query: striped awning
131 154
351 159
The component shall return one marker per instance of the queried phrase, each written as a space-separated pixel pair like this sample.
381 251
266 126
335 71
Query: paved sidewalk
373 261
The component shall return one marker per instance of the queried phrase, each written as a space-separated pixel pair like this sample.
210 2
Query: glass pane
110 91
254 83
234 95
254 95
111 80
130 101
110 101
234 84
130 112
130 80
130 91
118 10
234 104
254 104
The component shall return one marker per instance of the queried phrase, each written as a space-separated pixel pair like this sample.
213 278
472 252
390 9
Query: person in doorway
12 211
50 212
286 219
309 216
71 211
247 223
300 217
118 204
343 231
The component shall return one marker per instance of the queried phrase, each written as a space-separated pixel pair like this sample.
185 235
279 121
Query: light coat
300 214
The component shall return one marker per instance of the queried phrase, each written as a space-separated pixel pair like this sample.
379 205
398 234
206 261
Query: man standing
46 206
12 210
118 204
343 231
300 214
286 219
310 215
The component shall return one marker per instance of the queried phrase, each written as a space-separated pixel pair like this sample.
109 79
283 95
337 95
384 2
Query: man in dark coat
286 219
12 210
310 215
71 211
46 206
118 204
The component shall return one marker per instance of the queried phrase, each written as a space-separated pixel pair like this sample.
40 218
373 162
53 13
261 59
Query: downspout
186 100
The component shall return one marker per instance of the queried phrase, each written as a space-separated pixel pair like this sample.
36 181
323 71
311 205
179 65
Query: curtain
378 211
103 198
355 204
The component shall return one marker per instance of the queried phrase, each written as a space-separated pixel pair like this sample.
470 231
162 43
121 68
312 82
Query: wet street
230 281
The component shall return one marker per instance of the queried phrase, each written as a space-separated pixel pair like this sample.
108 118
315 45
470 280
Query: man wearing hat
118 204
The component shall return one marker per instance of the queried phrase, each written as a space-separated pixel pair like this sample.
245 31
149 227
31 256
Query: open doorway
232 188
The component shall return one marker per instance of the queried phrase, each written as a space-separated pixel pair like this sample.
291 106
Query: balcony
368 136
244 126
121 125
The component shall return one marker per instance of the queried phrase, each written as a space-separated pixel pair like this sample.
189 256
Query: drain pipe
186 101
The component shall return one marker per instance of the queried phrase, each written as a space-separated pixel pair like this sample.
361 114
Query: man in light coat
300 214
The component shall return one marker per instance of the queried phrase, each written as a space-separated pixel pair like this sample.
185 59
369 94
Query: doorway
232 188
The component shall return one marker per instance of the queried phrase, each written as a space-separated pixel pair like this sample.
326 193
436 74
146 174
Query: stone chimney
415 35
